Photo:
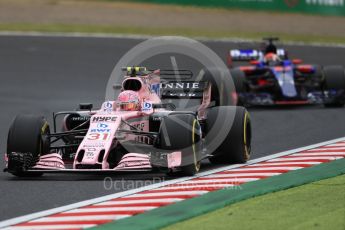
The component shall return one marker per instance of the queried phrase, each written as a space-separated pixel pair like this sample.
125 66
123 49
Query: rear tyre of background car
27 140
334 80
236 146
181 132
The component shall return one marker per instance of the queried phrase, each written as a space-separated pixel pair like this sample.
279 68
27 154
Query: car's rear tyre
236 147
239 77
181 132
334 79
27 135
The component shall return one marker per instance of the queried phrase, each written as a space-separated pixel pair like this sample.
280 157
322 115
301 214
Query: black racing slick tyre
236 146
27 140
181 132
334 80
239 78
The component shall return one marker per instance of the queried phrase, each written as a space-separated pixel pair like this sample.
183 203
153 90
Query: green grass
193 33
318 205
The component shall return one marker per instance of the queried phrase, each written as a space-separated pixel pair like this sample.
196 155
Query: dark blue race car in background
269 77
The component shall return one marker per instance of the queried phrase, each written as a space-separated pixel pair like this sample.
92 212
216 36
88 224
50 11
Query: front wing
312 98
130 162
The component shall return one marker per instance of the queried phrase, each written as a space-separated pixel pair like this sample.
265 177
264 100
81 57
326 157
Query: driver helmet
271 58
270 48
129 100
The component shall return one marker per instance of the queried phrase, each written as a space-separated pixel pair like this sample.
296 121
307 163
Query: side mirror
296 61
85 106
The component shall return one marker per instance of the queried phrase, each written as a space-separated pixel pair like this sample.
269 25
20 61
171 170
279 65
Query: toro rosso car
140 131
270 78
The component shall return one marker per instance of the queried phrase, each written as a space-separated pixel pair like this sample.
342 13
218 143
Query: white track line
36 215
142 37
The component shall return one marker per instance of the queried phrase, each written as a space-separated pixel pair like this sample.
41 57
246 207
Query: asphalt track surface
46 74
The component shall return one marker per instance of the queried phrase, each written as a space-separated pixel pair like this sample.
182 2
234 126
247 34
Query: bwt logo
100 130
147 105
108 105
102 126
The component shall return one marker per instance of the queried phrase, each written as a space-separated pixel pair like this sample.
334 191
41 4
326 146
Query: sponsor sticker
147 107
80 118
337 3
98 136
103 119
89 154
108 106
102 129
183 85
155 88
93 145
102 126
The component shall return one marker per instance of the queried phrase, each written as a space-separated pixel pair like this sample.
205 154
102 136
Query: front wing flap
130 162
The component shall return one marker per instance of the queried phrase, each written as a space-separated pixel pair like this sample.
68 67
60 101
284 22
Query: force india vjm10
273 79
137 132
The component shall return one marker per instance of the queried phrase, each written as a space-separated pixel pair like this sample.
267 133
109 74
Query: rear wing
252 54
175 74
163 73
183 89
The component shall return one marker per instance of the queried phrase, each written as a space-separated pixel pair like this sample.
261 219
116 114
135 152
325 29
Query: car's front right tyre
27 140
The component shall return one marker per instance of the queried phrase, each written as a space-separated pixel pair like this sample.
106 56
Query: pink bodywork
102 132
105 123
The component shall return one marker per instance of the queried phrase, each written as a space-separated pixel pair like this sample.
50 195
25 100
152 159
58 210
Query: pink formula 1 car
140 131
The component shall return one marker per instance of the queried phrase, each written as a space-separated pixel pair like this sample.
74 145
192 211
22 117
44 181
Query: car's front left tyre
182 132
